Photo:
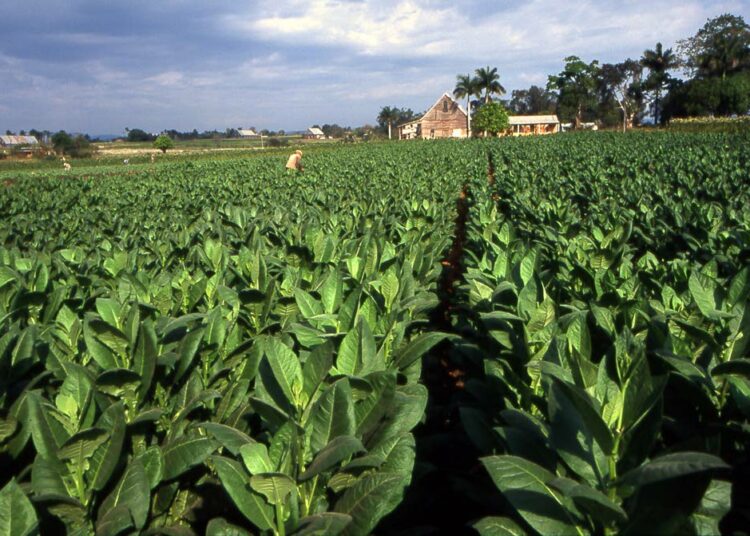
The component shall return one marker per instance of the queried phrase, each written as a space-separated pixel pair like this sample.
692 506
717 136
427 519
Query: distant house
445 119
530 125
314 133
247 133
14 141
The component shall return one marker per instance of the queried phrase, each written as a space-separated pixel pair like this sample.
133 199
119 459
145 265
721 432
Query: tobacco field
496 337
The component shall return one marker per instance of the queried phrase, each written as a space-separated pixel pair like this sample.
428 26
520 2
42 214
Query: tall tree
720 48
387 116
468 87
658 62
489 81
622 84
532 101
576 86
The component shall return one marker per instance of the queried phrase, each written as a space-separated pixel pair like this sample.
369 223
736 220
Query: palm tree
658 62
489 81
388 115
468 87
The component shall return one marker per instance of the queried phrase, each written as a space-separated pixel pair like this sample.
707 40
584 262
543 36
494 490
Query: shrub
163 142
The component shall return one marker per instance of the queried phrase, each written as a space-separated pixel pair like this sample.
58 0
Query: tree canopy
491 118
720 48
163 142
535 100
576 86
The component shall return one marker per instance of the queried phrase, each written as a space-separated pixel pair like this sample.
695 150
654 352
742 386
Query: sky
100 66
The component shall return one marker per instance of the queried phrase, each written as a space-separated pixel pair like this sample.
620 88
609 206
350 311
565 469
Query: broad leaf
527 488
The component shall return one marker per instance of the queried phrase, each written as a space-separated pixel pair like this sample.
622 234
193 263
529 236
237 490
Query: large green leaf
286 369
316 368
672 466
377 402
82 445
369 500
703 290
256 459
46 431
498 526
145 356
236 483
527 488
323 524
230 438
338 450
331 292
714 506
106 456
221 527
592 501
578 433
420 345
133 492
739 367
275 487
332 415
357 351
308 305
184 453
17 515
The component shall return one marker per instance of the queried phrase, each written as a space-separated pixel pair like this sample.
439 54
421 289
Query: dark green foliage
213 348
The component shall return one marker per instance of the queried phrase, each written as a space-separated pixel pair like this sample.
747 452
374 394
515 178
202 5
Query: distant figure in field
295 162
153 158
66 166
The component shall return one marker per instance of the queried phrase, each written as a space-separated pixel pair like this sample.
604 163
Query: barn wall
443 123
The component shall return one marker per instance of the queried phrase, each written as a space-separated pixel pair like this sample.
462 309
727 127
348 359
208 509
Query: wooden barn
445 119
314 133
531 125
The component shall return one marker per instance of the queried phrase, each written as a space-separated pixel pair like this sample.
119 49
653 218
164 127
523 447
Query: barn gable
444 119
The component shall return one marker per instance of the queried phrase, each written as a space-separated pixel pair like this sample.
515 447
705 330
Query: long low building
530 125
13 141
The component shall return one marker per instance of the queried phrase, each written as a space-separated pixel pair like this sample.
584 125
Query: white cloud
167 78
528 31
371 28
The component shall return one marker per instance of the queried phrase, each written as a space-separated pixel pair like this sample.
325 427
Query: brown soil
445 378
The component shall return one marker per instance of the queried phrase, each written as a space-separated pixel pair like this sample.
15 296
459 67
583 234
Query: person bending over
295 162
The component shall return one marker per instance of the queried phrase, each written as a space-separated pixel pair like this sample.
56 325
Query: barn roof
18 140
533 119
315 131
247 132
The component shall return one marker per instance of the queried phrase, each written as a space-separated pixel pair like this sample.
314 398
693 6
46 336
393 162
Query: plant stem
280 530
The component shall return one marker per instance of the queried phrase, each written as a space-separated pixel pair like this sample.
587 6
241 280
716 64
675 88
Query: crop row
605 322
210 347
221 347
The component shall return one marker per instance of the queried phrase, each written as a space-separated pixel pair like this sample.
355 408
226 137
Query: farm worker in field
295 161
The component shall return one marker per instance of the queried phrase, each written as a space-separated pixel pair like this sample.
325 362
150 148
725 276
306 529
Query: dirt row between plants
436 502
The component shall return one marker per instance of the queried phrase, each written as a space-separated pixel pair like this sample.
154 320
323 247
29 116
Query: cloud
385 27
98 66
167 78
